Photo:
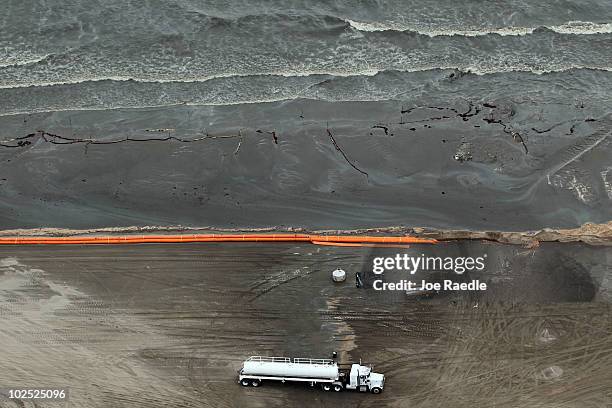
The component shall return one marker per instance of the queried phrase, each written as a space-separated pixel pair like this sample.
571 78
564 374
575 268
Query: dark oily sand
168 325
478 162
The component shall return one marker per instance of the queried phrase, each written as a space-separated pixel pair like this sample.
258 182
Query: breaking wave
571 27
475 70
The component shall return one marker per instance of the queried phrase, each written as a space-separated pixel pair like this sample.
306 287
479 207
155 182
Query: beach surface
164 324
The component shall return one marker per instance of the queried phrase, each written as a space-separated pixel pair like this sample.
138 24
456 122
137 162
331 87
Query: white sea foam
583 27
285 74
476 70
20 60
571 27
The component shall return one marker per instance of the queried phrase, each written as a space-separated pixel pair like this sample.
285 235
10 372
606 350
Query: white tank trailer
323 372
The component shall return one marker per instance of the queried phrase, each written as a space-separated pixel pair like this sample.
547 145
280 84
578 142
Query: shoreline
589 233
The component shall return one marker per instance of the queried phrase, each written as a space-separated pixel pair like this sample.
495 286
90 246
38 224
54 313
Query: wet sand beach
170 324
264 166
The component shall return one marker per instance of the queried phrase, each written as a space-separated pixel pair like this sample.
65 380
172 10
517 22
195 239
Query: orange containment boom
339 240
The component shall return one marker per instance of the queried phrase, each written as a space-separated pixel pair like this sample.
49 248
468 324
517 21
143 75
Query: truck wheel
256 383
376 390
245 382
337 388
326 387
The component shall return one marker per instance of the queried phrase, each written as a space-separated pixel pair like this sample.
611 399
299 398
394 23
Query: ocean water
277 50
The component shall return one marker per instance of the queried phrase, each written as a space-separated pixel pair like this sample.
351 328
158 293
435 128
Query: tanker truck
323 372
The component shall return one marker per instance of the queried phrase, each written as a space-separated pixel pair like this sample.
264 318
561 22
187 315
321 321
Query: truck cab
362 378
